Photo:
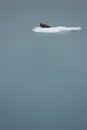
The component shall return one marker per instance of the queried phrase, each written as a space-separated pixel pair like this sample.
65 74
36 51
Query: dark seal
44 25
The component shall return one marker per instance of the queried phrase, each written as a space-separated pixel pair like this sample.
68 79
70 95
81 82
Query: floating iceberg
58 29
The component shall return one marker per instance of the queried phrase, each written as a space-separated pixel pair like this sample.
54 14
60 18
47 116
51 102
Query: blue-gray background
43 78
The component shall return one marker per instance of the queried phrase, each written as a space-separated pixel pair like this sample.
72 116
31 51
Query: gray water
43 78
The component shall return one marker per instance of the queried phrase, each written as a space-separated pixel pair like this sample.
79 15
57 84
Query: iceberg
58 29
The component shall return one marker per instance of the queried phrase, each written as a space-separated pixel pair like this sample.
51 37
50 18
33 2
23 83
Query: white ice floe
58 29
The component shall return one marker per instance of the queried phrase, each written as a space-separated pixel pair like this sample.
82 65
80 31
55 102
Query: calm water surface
43 78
